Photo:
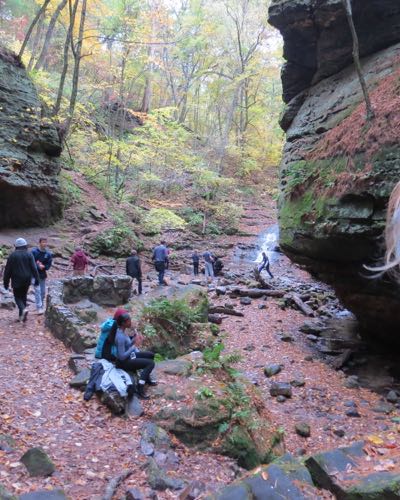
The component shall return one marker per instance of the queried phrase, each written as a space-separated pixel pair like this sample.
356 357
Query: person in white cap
20 270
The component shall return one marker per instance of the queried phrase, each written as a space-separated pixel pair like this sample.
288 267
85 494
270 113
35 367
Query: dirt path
89 446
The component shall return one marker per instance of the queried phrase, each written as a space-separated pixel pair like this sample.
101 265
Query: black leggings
144 361
20 294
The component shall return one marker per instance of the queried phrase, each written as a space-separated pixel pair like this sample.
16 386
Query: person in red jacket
79 262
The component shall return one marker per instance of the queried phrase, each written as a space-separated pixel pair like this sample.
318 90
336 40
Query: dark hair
162 242
117 323
42 238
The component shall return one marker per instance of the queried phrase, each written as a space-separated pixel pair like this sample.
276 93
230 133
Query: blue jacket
46 258
160 253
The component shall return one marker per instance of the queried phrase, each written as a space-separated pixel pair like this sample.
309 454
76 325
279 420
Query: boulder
81 379
159 480
29 151
209 421
272 369
37 462
337 170
281 389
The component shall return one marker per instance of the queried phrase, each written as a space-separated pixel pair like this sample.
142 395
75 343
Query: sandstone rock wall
338 170
29 151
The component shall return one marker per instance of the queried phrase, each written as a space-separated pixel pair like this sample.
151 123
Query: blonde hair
392 235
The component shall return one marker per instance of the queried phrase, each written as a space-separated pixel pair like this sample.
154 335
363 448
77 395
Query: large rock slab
29 151
338 170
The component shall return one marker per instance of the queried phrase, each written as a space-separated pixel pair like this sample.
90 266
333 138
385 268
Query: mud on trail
89 446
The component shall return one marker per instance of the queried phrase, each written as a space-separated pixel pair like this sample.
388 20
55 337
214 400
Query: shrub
160 219
116 241
71 193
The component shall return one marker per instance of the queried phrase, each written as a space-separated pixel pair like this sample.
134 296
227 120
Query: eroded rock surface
29 151
338 169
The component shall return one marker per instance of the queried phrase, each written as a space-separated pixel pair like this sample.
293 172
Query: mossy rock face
116 241
37 462
225 418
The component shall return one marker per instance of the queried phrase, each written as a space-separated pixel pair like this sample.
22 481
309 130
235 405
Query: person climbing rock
160 256
218 265
128 356
208 265
195 262
134 270
43 258
265 264
79 262
21 270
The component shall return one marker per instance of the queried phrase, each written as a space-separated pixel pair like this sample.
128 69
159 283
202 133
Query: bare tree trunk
72 15
356 57
49 34
31 27
77 51
36 41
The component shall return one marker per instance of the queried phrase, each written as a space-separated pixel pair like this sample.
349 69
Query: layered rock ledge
338 169
30 194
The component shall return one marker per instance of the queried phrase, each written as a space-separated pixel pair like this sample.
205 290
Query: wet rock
383 408
193 491
312 338
272 369
81 379
303 429
37 462
392 397
159 480
353 413
134 407
245 301
281 389
286 338
298 382
134 494
339 432
44 495
77 363
262 306
281 399
352 382
220 290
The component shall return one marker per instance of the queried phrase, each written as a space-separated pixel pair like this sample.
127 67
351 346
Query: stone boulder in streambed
338 169
30 194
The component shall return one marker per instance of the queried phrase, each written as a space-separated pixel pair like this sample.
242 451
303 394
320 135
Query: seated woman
128 357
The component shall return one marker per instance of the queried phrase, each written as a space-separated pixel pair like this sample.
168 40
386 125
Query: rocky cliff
29 151
338 169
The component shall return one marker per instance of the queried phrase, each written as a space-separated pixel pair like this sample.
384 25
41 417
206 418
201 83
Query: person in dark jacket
196 262
218 265
134 270
43 258
20 270
265 264
129 358
160 256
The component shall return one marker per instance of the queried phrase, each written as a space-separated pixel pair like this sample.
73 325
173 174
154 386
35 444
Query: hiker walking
43 258
160 255
20 270
196 262
79 262
208 265
265 264
134 270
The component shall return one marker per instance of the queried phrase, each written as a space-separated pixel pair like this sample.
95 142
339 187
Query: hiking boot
24 316
141 393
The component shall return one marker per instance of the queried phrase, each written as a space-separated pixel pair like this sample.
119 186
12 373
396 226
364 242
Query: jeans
160 268
196 268
266 267
40 293
20 294
209 270
144 361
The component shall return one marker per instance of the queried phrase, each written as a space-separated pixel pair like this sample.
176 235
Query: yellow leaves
376 440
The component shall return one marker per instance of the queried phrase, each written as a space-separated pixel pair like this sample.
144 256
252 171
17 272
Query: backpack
103 348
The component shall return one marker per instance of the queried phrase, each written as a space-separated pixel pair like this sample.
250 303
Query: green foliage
204 393
160 219
71 193
214 360
117 241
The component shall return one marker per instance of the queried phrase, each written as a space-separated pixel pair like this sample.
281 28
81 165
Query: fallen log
224 310
114 483
255 293
304 308
260 278
215 318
